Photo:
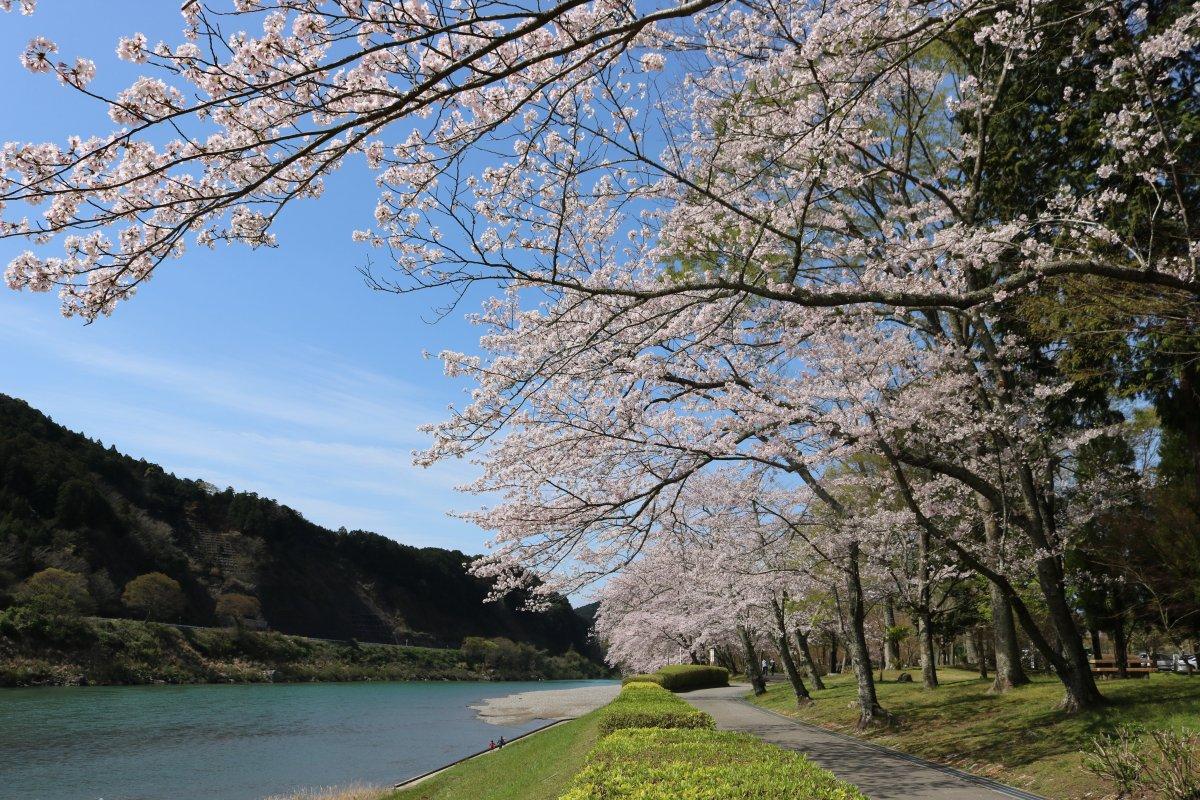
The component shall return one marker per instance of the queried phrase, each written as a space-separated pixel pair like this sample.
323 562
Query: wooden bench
1107 668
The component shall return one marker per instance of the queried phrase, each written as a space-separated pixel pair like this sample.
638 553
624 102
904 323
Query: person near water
492 744
501 742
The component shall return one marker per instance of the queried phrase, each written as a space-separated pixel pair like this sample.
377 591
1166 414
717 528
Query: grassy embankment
538 767
38 652
1019 738
646 744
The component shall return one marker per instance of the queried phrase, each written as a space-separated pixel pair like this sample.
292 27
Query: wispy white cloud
330 439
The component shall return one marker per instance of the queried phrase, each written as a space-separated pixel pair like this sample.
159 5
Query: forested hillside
72 503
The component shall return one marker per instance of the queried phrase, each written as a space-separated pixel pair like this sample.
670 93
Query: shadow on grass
1022 733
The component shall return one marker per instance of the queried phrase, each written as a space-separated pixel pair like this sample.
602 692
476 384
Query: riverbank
81 651
551 704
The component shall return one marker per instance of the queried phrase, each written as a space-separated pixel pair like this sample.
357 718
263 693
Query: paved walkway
880 773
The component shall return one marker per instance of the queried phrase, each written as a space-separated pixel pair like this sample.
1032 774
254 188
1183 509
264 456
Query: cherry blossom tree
722 237
748 137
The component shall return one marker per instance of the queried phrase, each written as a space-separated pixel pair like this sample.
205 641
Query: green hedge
642 677
700 765
684 677
648 705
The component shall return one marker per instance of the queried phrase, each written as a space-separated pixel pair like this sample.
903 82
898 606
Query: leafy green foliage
154 595
684 677
505 659
55 592
700 765
648 705
26 623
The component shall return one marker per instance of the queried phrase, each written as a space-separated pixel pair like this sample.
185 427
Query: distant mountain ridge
67 501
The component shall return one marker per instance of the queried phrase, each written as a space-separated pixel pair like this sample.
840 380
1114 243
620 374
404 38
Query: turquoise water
236 742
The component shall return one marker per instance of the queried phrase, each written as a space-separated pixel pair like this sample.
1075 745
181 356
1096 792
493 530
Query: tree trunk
1072 669
891 648
789 666
1095 636
833 653
1082 691
785 655
1009 672
753 668
924 617
971 643
980 637
869 710
1120 649
725 659
806 659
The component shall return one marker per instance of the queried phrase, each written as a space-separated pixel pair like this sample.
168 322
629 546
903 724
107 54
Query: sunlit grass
1020 738
535 768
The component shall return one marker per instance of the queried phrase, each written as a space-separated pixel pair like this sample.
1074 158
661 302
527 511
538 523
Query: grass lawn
535 768
1019 738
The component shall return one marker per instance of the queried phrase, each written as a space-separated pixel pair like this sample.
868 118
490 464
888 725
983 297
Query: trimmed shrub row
648 705
700 765
684 677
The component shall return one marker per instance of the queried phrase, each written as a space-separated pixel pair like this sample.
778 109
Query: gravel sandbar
514 709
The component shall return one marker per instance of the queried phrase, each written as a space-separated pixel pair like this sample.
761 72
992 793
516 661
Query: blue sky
272 371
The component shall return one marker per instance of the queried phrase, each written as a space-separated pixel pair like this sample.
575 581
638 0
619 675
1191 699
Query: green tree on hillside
154 595
55 592
237 608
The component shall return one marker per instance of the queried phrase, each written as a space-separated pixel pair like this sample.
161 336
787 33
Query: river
237 742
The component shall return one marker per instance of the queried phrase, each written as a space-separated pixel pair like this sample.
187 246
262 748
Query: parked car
1172 662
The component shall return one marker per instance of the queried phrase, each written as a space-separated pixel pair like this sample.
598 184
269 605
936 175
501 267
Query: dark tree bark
753 668
789 666
981 649
1009 673
1117 631
833 653
725 659
1082 691
806 659
1094 633
869 710
1120 649
785 655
